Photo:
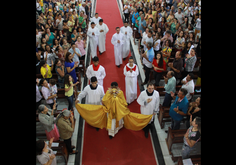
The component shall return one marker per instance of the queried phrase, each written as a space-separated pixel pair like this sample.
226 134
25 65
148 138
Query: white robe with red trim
98 71
131 82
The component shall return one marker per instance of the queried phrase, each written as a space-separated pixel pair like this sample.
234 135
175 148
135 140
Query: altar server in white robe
96 70
149 100
103 29
93 34
95 19
131 72
93 93
127 31
118 40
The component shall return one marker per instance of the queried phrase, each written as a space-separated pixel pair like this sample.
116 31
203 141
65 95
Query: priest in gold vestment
113 114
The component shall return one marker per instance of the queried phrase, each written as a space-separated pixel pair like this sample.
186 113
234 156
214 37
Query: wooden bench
61 150
163 115
175 136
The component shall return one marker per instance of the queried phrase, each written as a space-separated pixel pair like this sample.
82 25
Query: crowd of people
164 28
170 29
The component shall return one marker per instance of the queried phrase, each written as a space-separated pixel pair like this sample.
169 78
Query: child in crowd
53 88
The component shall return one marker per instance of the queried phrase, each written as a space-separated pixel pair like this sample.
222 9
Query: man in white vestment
149 100
131 72
93 34
96 70
118 40
95 19
103 29
127 31
93 93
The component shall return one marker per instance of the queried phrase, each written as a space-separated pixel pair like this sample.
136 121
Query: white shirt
51 56
93 96
151 107
81 8
100 73
38 7
179 17
189 86
126 10
38 95
95 20
198 24
158 45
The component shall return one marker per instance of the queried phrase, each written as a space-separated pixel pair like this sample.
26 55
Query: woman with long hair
159 65
68 81
70 66
194 110
166 50
191 137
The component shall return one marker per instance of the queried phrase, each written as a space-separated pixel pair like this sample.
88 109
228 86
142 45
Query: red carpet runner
127 147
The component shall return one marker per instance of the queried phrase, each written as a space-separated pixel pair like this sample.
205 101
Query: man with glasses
149 100
179 108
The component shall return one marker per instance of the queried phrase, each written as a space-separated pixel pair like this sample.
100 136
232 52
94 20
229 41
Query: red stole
128 69
95 68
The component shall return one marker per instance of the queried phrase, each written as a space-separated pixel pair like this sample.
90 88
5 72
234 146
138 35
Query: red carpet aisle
127 147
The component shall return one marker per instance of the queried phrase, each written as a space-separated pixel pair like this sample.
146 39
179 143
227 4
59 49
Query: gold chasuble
115 105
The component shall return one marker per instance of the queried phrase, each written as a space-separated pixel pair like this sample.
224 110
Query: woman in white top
144 35
49 55
157 42
198 26
180 41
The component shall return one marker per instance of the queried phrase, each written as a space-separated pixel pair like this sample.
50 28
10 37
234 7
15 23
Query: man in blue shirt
135 15
148 56
179 108
142 24
170 85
